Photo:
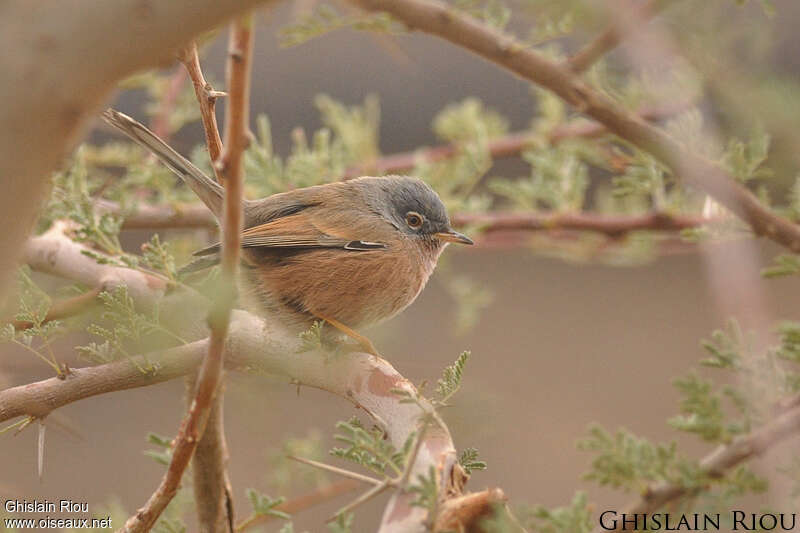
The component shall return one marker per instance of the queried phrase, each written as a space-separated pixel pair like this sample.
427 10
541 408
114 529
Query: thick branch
721 460
53 253
264 345
452 25
61 62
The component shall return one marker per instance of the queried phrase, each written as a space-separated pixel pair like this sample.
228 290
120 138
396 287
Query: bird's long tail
209 191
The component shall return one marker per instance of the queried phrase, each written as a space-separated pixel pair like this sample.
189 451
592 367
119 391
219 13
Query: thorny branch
230 165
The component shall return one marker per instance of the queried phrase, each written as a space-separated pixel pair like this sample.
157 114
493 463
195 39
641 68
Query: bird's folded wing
295 231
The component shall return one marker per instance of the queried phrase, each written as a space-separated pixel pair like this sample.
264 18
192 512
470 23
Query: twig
452 25
611 37
364 498
64 308
302 502
719 461
506 146
611 225
210 375
206 98
336 470
212 486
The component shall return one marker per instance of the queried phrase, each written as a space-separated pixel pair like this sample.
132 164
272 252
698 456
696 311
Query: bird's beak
453 236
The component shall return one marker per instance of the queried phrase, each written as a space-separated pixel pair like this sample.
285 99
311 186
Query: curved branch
264 345
53 253
452 25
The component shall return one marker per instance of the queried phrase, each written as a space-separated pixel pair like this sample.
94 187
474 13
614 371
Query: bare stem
210 375
206 98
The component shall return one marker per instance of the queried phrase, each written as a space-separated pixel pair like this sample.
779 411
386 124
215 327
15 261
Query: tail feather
208 190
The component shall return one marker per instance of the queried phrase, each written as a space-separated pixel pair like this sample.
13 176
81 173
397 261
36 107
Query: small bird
351 253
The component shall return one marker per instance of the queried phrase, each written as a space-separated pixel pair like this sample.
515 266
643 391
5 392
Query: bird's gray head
412 207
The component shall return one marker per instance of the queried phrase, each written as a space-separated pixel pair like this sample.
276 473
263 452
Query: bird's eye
414 220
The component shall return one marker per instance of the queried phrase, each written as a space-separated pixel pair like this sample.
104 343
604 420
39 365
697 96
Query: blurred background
561 342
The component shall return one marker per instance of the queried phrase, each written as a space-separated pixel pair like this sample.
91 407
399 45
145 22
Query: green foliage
162 454
471 299
71 200
702 411
627 462
369 448
33 306
745 160
127 326
263 505
469 461
355 128
495 13
343 523
311 339
450 381
325 18
350 137
558 180
426 492
784 265
467 121
573 518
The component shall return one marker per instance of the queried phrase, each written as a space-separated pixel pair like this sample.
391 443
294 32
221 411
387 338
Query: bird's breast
357 288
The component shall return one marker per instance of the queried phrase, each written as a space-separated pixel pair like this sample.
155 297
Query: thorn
40 451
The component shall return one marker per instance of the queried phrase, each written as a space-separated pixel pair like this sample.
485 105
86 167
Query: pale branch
229 165
54 253
463 30
613 35
508 145
301 503
54 48
206 99
264 345
725 457
64 308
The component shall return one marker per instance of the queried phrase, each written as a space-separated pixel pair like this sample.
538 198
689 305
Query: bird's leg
364 342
